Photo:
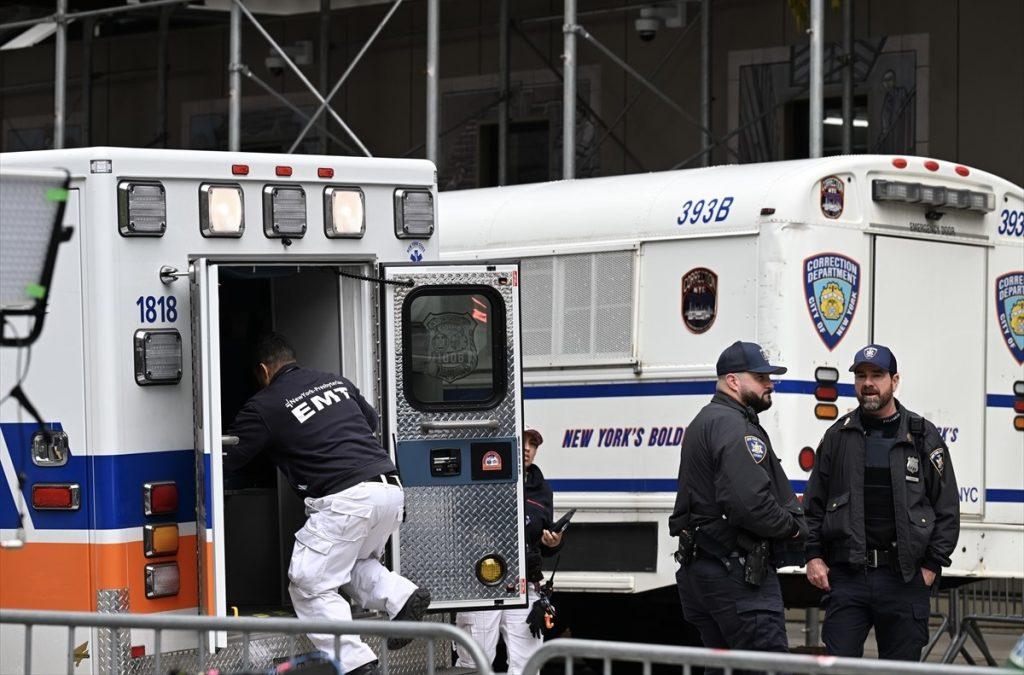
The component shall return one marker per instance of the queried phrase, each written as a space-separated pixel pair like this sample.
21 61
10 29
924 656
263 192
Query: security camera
647 28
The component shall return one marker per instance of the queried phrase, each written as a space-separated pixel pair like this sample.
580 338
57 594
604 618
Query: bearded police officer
735 513
318 429
883 514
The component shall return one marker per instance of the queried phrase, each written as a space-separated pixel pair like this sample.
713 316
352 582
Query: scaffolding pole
503 84
433 48
88 28
815 107
848 61
162 62
705 80
569 91
235 80
325 101
325 66
60 75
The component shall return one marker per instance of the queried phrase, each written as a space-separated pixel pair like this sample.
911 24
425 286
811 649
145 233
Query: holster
755 564
687 548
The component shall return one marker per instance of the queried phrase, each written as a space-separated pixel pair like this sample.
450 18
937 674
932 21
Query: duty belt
875 557
390 478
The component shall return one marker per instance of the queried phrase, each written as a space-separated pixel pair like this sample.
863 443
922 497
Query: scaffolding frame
571 28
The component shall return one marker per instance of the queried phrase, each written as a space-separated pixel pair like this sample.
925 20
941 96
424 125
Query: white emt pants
511 623
340 547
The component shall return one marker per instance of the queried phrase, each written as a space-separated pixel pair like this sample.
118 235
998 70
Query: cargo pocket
836 524
309 558
345 520
760 625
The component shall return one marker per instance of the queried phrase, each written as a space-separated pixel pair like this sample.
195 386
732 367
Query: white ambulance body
178 261
633 285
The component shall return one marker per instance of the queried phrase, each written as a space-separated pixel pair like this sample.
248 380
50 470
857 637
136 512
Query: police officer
735 514
318 430
883 514
521 628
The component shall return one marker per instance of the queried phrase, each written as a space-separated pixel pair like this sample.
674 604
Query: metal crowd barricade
203 625
990 602
730 661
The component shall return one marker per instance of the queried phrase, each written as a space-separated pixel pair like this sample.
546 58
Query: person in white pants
318 429
485 626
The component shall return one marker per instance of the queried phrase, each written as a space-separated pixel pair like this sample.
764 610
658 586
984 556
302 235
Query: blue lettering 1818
152 309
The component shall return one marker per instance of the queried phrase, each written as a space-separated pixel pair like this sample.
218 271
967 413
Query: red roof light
899 163
240 169
931 165
325 172
963 171
283 170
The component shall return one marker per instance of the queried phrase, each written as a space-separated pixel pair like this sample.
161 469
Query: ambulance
633 285
178 261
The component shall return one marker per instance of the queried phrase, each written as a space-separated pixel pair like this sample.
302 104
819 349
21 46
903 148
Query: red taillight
55 496
931 165
283 170
806 459
138 651
963 171
899 163
826 393
160 498
325 172
240 169
1018 406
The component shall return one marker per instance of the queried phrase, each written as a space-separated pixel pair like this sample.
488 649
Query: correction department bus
633 285
177 262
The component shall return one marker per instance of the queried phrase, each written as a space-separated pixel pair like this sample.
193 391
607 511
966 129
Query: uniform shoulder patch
756 447
938 460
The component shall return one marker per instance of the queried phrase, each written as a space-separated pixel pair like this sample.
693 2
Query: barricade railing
731 661
202 626
985 603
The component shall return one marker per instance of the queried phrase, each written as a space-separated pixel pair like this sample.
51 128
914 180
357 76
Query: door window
454 355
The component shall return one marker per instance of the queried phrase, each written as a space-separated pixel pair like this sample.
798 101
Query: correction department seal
1010 312
832 289
832 197
700 299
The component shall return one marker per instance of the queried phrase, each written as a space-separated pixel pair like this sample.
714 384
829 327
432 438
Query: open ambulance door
208 443
452 393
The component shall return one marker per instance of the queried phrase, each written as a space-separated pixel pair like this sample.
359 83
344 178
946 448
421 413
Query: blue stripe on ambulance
111 484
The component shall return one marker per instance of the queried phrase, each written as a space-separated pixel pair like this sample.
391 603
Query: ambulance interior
312 306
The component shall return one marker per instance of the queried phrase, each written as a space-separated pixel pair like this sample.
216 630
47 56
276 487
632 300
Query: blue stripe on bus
1009 496
631 484
111 485
692 388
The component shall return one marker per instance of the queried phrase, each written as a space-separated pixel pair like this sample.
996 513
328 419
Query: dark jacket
540 515
927 510
316 427
731 484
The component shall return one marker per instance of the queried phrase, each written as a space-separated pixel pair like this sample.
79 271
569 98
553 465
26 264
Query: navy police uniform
318 429
882 503
734 498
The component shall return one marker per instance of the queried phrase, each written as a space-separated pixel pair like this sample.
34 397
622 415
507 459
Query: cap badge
870 352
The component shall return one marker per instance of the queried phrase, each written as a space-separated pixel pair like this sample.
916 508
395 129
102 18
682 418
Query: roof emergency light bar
932 195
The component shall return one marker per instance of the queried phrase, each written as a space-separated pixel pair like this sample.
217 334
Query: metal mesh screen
29 204
589 296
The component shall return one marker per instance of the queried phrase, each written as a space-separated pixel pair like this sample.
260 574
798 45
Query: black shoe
413 610
371 668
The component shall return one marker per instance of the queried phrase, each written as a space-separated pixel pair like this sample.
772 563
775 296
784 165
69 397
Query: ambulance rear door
452 393
208 442
929 306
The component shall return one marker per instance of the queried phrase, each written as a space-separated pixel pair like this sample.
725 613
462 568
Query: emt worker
318 430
